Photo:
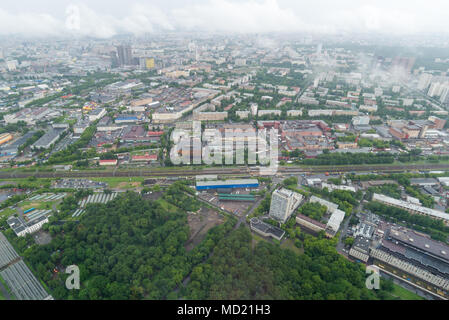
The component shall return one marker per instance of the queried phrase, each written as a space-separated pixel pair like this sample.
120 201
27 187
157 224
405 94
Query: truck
29 210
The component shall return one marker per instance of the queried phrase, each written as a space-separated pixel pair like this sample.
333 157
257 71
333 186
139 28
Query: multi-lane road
223 171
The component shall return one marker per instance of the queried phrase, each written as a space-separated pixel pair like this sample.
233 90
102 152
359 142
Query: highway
253 171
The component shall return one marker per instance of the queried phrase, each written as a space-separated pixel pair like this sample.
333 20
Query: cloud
373 19
243 16
28 23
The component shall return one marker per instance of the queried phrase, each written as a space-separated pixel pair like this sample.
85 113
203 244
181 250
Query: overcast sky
106 18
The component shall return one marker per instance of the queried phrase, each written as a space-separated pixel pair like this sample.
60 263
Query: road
344 229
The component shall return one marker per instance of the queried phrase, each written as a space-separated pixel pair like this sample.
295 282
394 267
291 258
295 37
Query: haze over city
103 19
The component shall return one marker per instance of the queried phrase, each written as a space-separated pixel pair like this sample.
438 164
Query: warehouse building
48 138
13 148
96 114
7 252
416 258
5 137
360 249
412 208
241 183
22 227
18 277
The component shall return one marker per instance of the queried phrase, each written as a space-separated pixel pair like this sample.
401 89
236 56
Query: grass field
39 205
404 294
121 182
289 244
6 212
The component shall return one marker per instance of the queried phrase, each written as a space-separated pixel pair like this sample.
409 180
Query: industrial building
416 258
96 114
242 183
49 138
411 207
127 119
17 276
283 203
22 227
236 197
265 229
7 252
360 249
5 137
13 148
31 115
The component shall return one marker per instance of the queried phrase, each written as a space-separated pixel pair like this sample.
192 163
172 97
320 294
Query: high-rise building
114 59
444 98
283 203
424 81
124 55
434 89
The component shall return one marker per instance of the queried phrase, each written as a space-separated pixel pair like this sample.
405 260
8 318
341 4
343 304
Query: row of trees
338 158
435 228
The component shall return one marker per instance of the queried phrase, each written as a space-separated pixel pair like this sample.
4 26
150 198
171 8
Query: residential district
87 176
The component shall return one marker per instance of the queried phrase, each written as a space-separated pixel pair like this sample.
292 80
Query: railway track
171 172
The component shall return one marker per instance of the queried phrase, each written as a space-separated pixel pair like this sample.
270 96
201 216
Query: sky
107 18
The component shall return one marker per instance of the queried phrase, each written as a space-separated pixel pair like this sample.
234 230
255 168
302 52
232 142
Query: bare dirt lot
41 237
153 195
235 207
200 223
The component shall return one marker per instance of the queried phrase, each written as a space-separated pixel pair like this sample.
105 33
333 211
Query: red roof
155 133
108 161
146 157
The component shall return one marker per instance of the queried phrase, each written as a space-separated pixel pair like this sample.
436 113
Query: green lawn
121 182
289 244
404 294
6 212
39 205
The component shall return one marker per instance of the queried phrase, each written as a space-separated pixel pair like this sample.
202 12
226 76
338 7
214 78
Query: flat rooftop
422 242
